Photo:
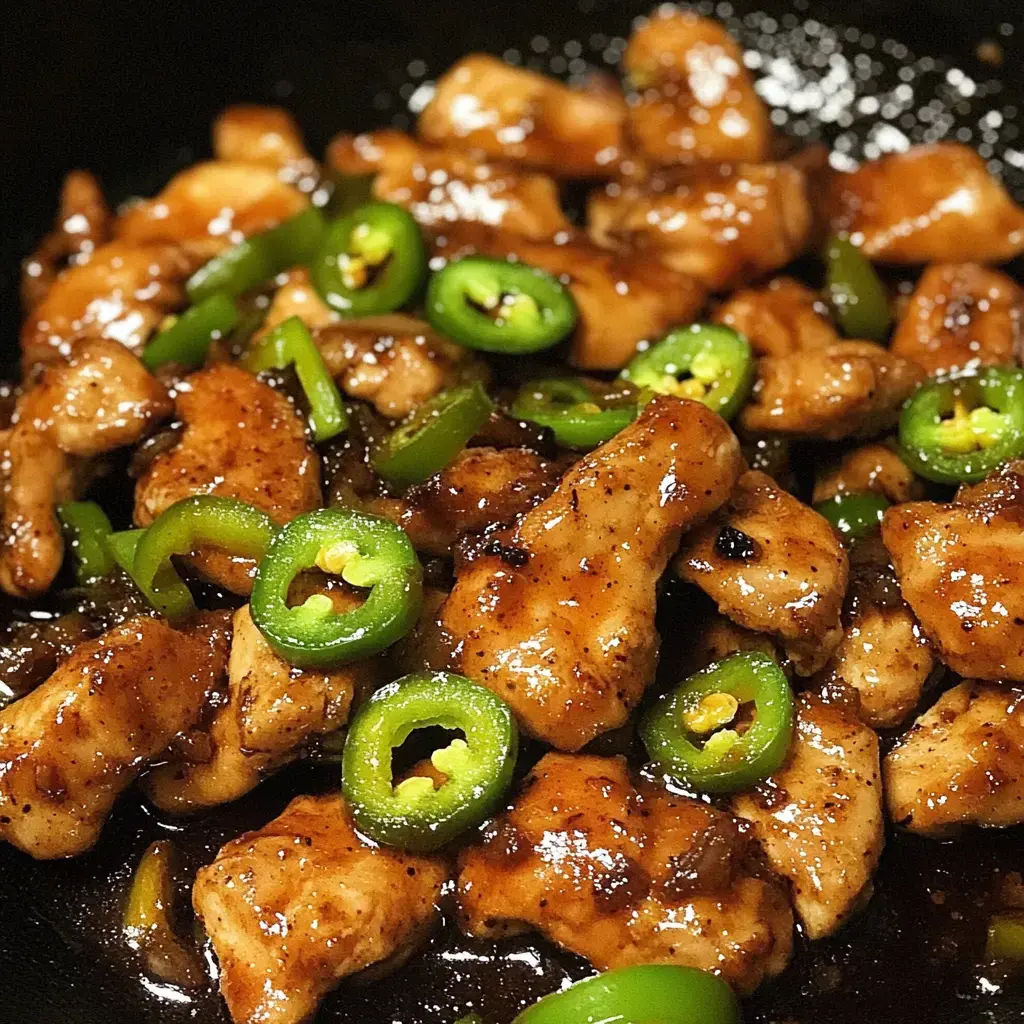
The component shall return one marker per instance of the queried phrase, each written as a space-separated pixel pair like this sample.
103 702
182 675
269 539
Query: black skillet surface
129 92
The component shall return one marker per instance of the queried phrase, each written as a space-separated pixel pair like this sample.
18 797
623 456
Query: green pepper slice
498 306
364 550
432 436
414 815
855 514
187 340
258 259
87 528
348 192
856 292
959 429
291 344
581 413
202 519
704 362
1005 938
371 261
655 993
687 732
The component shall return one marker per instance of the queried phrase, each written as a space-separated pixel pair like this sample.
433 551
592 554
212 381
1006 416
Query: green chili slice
291 344
497 306
87 528
656 993
258 259
414 815
857 294
371 261
1005 940
431 438
855 514
366 551
187 340
959 429
581 413
348 192
704 362
697 733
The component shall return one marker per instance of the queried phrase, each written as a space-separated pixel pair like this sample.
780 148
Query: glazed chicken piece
927 205
714 637
853 389
266 136
819 817
623 299
624 876
296 906
696 101
773 565
962 763
784 317
560 620
961 569
69 748
296 296
508 113
722 226
242 440
962 315
439 186
871 467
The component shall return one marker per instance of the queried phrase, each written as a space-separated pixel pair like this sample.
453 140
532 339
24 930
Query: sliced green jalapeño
856 292
187 340
87 530
581 413
855 514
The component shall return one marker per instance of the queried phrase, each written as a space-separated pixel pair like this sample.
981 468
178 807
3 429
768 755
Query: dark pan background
129 92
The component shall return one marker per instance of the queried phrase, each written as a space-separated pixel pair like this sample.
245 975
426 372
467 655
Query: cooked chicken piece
242 440
723 226
871 467
926 205
819 817
773 565
122 293
625 876
696 101
30 651
296 296
962 763
70 747
784 317
482 103
714 637
853 389
439 186
622 299
560 621
960 566
962 315
81 226
296 906
250 134
271 710
211 206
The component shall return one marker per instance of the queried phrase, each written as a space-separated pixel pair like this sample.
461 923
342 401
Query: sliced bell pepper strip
364 550
854 514
87 528
692 733
414 815
959 429
291 344
371 261
857 294
497 306
431 438
187 340
581 413
704 362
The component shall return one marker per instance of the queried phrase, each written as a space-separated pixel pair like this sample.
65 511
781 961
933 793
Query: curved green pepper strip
371 261
855 514
659 993
959 429
187 340
414 815
258 259
497 306
364 550
687 732
225 523
291 344
704 362
856 292
87 528
581 413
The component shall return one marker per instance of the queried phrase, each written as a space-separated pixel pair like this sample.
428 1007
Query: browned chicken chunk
871 467
714 637
249 134
296 296
296 906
